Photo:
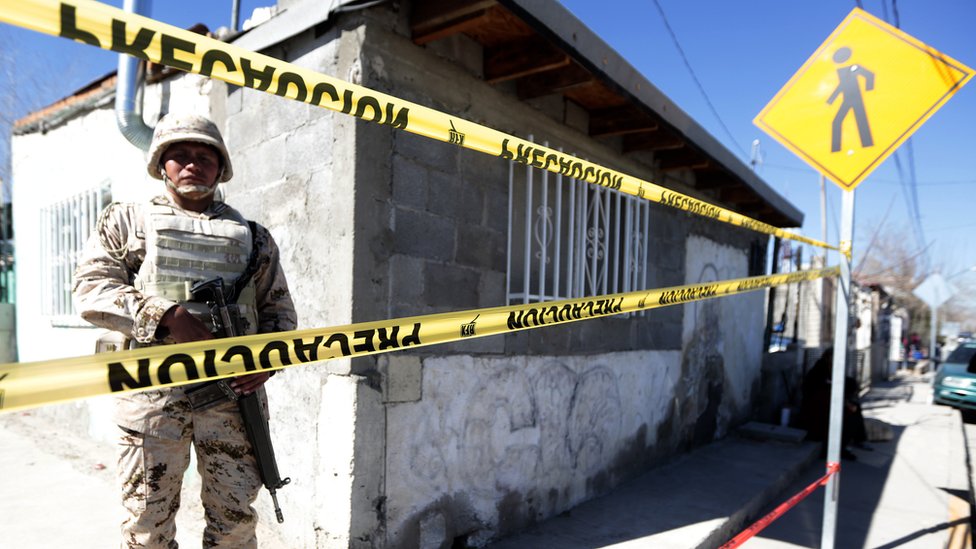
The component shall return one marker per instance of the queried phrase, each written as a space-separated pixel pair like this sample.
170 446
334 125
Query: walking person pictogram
849 87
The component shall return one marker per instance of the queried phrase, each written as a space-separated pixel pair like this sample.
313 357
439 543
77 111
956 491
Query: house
459 444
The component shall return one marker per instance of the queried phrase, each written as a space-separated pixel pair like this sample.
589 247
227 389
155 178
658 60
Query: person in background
815 408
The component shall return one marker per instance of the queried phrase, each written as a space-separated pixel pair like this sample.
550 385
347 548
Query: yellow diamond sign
859 96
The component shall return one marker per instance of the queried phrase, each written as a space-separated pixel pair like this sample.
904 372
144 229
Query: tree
891 262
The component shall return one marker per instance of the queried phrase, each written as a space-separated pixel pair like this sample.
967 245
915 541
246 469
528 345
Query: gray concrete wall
485 436
297 173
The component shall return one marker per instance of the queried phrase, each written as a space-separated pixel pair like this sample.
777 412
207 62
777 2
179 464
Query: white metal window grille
569 239
65 228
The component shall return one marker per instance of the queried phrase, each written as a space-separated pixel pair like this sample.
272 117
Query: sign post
853 102
839 368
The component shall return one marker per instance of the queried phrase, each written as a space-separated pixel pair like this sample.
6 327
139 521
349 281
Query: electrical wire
874 237
701 88
909 183
910 191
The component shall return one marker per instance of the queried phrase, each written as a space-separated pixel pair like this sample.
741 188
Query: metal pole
235 15
932 356
823 214
839 369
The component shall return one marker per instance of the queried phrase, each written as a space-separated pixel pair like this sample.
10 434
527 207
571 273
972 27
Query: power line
694 77
910 190
874 237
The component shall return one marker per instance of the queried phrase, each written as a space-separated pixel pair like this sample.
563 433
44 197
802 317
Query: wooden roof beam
658 140
740 195
686 159
620 121
554 81
436 19
522 58
706 181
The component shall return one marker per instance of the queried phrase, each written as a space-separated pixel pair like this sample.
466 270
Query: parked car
955 381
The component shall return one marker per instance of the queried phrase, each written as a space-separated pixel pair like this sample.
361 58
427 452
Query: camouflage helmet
174 128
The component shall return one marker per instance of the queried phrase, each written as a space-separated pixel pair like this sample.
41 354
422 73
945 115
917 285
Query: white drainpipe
128 91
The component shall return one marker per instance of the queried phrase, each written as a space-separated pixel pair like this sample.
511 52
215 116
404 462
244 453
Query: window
65 227
569 239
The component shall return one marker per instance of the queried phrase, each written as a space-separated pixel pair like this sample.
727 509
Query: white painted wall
62 162
728 327
495 434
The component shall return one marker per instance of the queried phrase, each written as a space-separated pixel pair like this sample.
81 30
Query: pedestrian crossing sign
859 96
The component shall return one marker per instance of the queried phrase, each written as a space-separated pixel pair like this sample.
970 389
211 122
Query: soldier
133 279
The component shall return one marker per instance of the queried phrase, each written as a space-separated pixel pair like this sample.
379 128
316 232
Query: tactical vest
182 250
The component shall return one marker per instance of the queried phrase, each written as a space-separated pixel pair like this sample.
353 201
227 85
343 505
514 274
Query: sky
743 52
719 61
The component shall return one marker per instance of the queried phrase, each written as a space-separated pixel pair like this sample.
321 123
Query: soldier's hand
245 385
183 326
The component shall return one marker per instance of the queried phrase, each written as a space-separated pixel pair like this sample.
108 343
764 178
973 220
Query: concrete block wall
489 435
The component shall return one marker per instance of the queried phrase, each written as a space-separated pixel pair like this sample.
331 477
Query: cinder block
444 195
403 377
261 164
406 279
409 183
423 235
245 129
472 208
310 148
496 211
450 286
435 154
491 292
480 247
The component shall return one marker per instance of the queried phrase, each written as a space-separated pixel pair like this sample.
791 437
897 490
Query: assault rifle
226 320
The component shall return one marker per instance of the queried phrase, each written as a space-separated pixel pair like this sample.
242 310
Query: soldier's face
192 168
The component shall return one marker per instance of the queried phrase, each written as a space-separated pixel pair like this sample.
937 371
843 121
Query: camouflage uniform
157 426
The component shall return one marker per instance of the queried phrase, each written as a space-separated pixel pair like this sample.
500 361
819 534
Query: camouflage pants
151 474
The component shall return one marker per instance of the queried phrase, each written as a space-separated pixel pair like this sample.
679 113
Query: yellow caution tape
29 384
113 29
847 248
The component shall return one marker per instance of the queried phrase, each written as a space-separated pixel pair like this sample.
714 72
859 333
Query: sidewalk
59 491
909 492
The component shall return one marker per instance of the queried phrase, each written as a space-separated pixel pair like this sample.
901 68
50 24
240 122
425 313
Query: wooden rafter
436 19
685 159
522 58
659 140
620 121
554 81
